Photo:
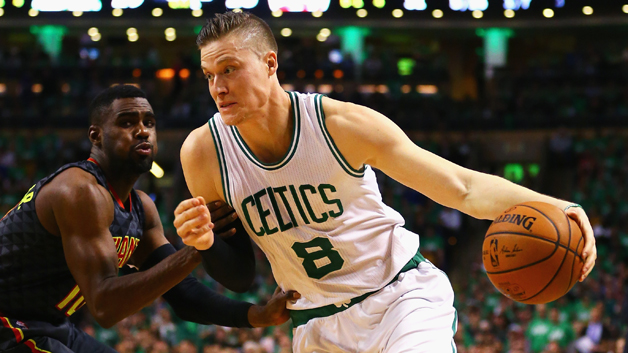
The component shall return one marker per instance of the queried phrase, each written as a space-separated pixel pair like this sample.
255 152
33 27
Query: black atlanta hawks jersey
35 281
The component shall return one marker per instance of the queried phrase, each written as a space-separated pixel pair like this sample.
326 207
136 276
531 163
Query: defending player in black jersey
61 247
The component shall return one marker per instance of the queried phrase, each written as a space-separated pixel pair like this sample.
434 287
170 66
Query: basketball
532 253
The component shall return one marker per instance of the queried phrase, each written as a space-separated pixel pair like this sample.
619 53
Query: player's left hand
589 252
275 311
222 215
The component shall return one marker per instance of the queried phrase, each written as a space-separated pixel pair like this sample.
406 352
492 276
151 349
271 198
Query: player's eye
208 77
149 123
229 69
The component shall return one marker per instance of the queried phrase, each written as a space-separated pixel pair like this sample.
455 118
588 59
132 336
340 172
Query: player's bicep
369 137
200 165
84 213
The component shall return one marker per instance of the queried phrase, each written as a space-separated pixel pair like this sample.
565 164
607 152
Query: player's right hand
194 224
275 311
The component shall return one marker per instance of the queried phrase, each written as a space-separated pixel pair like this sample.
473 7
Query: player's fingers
201 238
223 211
589 261
277 291
185 205
223 222
293 295
214 205
290 296
189 214
581 218
194 226
193 234
228 234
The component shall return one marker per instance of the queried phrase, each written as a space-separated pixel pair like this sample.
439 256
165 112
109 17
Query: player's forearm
231 262
192 301
489 195
119 297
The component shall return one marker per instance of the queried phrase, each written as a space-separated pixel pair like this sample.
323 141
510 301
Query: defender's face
239 79
129 135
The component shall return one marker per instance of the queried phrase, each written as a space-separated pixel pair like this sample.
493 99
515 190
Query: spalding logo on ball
533 253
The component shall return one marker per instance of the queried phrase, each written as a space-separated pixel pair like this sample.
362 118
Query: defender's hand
222 216
275 311
589 252
194 225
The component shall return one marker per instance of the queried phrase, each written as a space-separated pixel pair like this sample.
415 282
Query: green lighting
345 4
1 3
513 172
197 29
18 3
50 37
379 3
534 169
495 45
352 41
405 66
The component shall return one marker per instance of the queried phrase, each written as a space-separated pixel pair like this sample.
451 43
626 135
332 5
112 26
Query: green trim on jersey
454 328
222 162
301 317
293 145
320 114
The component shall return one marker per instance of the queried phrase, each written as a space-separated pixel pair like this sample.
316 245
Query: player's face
239 78
129 135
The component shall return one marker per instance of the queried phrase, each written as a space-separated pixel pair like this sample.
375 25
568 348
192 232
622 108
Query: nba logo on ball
494 256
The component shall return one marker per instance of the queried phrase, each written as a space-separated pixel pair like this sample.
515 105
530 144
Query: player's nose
142 131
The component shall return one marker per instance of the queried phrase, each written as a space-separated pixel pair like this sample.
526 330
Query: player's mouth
227 106
144 148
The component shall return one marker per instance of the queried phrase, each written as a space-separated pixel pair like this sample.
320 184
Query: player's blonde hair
244 24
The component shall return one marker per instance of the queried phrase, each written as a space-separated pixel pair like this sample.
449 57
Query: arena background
532 90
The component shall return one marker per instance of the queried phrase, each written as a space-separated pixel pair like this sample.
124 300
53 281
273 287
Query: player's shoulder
77 188
198 144
341 115
75 193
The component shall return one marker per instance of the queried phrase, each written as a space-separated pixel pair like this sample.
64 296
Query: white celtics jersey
321 223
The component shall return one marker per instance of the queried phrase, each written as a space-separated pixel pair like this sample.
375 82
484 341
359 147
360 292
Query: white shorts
413 314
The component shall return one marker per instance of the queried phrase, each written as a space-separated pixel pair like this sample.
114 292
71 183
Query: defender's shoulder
75 187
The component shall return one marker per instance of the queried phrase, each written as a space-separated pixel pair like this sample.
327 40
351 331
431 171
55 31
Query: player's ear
271 62
95 135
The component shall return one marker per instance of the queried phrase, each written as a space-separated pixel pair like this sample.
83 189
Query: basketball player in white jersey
297 169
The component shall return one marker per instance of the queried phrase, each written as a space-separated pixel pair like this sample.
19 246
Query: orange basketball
533 253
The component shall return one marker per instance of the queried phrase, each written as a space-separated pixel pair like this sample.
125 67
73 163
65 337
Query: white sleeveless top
321 223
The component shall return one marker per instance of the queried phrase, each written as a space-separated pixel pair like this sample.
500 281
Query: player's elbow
104 319
103 313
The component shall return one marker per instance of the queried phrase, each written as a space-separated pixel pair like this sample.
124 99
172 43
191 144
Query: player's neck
270 133
120 182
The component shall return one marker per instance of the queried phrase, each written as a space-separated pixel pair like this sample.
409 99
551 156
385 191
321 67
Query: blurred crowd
592 316
581 86
588 319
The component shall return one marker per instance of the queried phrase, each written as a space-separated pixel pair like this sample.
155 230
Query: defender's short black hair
246 23
100 105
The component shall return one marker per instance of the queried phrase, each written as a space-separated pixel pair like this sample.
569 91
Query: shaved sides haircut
243 24
99 107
